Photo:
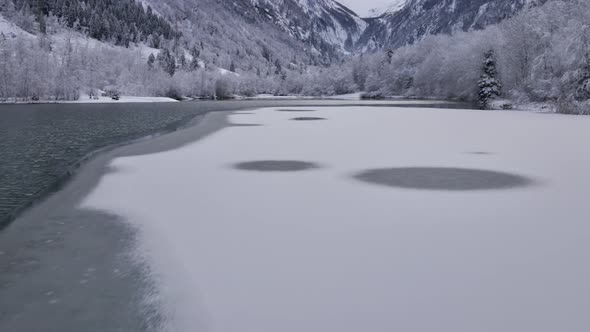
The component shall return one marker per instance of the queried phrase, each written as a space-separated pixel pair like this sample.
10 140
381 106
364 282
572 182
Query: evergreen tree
151 60
120 21
232 67
389 55
583 88
182 61
278 67
167 61
7 8
489 85
195 52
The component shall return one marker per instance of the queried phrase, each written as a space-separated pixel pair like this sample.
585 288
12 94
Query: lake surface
64 267
41 144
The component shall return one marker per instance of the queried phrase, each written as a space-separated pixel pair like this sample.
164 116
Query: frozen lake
64 267
364 219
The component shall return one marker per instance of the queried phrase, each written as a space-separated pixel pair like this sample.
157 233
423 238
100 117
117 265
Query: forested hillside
222 49
119 21
541 55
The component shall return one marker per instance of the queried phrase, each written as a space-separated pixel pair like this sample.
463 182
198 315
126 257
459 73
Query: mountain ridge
419 18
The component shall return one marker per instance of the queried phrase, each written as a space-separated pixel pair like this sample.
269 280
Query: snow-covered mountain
312 31
322 29
418 18
392 7
322 24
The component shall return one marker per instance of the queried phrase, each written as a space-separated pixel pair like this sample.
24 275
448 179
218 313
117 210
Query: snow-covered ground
318 250
123 99
349 96
84 99
356 96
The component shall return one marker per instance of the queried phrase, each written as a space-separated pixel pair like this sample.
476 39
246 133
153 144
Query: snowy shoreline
499 105
102 239
100 100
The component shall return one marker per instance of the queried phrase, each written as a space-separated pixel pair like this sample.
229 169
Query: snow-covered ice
237 251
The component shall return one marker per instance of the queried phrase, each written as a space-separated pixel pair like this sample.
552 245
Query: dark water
73 271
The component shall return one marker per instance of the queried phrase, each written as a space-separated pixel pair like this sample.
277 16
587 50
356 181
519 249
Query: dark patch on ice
434 178
307 118
246 125
294 110
276 166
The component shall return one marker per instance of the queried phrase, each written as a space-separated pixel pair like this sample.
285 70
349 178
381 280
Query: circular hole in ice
276 166
307 118
438 178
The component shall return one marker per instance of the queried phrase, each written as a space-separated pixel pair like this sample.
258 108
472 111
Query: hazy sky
361 7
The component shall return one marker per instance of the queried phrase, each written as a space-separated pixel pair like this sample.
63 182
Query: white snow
269 96
392 6
224 72
316 251
123 99
350 96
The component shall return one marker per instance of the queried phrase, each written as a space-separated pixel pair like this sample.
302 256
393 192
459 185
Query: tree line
540 55
119 21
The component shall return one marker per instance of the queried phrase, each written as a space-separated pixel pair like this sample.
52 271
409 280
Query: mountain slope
325 25
422 17
392 7
250 32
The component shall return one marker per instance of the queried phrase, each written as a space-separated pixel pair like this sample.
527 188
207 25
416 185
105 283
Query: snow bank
505 104
268 96
84 98
350 96
317 250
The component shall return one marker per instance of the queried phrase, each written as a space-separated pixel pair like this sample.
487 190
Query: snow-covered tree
151 60
182 63
167 61
489 86
583 88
